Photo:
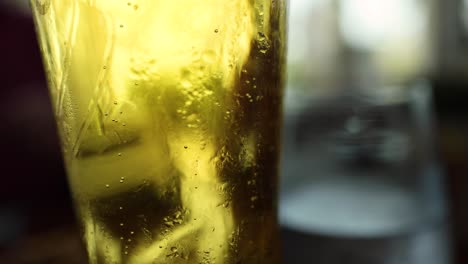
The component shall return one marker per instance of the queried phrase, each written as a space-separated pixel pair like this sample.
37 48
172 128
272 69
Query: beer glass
169 116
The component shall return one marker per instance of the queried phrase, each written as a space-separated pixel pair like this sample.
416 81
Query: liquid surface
169 116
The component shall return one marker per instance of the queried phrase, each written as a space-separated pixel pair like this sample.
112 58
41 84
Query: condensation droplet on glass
261 36
107 185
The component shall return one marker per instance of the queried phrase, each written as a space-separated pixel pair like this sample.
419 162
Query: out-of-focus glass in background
361 179
375 147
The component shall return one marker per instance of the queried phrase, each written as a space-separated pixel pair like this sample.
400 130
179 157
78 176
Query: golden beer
169 116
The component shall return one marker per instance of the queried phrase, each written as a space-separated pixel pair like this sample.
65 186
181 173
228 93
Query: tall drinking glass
169 117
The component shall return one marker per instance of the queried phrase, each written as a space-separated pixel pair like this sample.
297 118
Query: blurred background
375 158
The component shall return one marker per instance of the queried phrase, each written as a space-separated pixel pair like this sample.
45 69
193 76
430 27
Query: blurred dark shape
13 224
451 95
450 81
34 197
31 153
57 246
